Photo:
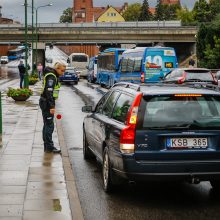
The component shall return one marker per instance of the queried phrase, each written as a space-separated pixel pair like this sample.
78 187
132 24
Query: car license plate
68 75
187 143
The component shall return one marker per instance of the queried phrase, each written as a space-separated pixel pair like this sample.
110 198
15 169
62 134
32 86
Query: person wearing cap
49 94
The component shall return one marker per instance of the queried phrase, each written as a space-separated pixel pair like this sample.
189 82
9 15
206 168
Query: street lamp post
36 32
26 83
32 36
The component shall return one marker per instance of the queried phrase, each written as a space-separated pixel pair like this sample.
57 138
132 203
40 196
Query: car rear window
170 112
199 74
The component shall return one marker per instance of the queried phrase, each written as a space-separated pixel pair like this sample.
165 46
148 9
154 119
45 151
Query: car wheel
110 180
87 153
76 82
215 184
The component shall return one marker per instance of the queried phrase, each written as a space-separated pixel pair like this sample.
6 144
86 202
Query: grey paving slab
11 199
11 210
13 189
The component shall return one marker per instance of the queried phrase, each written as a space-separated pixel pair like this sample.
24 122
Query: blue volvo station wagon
155 132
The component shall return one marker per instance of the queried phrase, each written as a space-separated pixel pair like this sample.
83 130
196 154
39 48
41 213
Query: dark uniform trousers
48 127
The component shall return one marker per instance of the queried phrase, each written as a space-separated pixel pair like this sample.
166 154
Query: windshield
202 75
170 112
79 58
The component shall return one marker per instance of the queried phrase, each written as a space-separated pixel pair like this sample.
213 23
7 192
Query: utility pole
26 84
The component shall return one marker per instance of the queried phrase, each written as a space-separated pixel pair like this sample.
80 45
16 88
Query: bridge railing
154 24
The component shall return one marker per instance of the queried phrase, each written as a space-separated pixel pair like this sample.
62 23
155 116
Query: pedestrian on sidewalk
21 69
49 93
191 62
39 70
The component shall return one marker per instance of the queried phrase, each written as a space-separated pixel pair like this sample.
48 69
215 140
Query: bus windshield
79 58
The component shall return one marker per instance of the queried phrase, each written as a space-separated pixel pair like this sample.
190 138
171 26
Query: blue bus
108 65
92 69
146 64
15 54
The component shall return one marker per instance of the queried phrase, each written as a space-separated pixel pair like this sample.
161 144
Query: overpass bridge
103 33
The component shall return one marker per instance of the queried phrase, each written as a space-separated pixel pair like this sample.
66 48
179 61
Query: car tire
87 153
106 172
76 82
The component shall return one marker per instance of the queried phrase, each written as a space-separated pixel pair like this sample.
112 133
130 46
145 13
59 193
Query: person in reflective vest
49 93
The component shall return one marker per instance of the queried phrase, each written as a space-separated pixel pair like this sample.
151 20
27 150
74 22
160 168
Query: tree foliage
165 11
186 16
212 54
214 8
145 14
202 12
66 17
133 12
159 11
208 44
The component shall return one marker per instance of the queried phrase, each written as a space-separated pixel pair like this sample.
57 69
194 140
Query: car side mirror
87 108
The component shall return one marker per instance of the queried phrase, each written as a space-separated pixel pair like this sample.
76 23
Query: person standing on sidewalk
39 70
21 69
50 92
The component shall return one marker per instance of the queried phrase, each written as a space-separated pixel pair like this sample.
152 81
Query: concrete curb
86 99
75 206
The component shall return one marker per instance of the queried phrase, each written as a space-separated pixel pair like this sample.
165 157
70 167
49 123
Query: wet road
9 76
134 202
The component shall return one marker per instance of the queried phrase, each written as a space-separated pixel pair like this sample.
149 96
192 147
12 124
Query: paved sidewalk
33 184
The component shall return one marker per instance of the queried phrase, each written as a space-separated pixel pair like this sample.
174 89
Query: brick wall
4 49
91 50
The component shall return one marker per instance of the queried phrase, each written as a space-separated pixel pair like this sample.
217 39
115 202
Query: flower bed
19 94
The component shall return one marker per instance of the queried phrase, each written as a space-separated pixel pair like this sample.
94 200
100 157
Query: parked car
181 75
4 59
70 76
155 132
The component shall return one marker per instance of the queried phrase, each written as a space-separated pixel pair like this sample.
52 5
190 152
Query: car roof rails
134 86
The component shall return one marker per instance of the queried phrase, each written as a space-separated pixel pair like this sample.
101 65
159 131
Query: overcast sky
13 9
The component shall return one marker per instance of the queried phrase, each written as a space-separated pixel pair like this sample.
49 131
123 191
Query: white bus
79 61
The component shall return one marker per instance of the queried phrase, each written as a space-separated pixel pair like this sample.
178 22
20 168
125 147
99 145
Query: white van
80 62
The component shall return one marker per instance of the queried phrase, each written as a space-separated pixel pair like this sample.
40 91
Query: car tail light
142 77
182 79
127 137
215 80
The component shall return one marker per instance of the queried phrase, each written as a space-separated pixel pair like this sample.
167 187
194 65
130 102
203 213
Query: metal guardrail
138 24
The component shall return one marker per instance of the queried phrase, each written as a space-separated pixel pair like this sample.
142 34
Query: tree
145 14
133 12
165 11
66 17
212 54
158 11
214 8
186 16
202 11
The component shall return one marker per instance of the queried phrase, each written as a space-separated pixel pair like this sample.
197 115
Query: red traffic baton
59 116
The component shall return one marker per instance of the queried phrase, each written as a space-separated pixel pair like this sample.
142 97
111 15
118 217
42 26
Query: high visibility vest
56 88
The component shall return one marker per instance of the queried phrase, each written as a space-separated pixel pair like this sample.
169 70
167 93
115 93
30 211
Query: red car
181 75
